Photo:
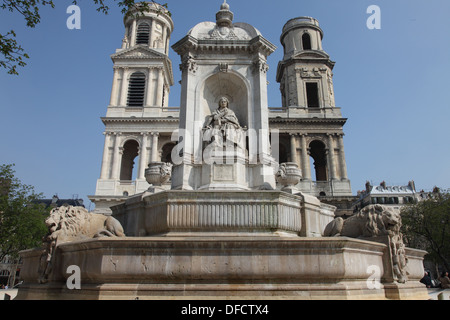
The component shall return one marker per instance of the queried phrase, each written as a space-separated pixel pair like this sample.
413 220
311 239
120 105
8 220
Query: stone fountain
224 229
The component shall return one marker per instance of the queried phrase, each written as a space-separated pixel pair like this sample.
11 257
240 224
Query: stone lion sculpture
67 224
371 221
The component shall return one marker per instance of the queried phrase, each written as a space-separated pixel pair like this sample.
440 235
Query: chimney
368 186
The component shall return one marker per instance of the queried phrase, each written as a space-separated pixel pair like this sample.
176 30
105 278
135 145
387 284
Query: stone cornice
106 120
150 53
303 58
339 121
257 44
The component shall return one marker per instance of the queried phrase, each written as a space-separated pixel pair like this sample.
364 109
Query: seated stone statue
223 126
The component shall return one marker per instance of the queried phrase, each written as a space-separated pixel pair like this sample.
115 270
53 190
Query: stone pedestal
225 170
214 213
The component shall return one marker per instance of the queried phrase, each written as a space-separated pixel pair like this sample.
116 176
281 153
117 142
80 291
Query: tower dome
301 34
150 24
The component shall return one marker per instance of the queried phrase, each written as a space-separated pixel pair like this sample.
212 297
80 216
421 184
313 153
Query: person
445 280
223 125
426 280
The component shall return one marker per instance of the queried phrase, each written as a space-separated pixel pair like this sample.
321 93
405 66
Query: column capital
155 134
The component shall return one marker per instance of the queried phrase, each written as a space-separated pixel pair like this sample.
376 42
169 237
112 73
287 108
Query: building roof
388 190
56 202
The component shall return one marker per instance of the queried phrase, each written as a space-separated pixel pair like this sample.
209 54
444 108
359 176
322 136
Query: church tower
310 124
138 121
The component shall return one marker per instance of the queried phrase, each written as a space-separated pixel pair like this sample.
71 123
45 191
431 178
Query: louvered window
143 33
136 90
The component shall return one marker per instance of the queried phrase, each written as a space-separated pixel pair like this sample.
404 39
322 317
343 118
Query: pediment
139 52
311 55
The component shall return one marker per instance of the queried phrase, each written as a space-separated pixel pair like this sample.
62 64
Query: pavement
439 294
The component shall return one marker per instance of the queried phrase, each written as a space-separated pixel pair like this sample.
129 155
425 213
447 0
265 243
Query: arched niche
319 155
229 85
129 153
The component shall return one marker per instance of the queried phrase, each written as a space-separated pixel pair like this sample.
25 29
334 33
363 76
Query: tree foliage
12 53
426 225
21 218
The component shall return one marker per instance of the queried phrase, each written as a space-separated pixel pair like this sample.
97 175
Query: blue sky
392 84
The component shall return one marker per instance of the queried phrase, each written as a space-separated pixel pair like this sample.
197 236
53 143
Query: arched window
143 33
166 155
318 154
306 41
136 90
130 152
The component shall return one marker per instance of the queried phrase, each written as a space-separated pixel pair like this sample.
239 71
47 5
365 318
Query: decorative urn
158 173
288 175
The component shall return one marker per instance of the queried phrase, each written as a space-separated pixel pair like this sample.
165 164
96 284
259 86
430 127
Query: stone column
149 95
133 34
164 33
331 157
166 96
167 44
150 36
306 170
116 157
143 160
342 163
160 87
154 157
105 161
124 88
293 148
114 91
126 40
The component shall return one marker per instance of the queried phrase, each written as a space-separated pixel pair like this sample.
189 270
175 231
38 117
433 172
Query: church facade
141 128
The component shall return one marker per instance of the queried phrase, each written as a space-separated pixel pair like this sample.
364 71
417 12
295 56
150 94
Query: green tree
21 218
426 225
13 54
